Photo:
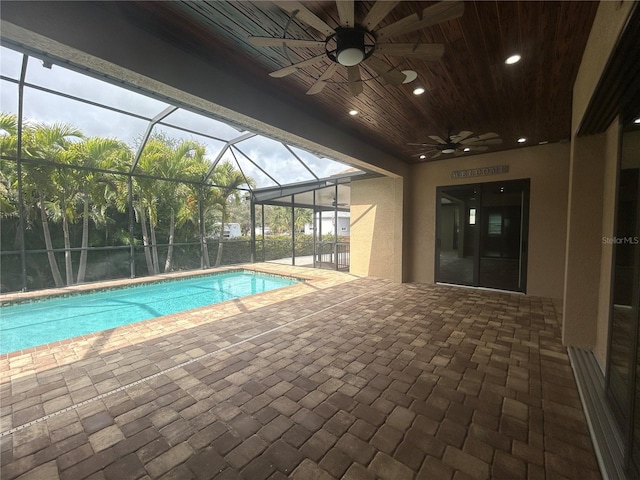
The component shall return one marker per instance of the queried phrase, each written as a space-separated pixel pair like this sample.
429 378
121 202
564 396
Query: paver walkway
342 377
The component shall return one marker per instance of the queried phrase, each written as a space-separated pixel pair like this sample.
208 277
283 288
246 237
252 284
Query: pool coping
192 317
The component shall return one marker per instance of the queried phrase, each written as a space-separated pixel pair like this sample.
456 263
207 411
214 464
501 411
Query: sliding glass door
481 234
623 365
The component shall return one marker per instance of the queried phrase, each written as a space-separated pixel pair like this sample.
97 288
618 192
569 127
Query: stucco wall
545 165
591 210
377 228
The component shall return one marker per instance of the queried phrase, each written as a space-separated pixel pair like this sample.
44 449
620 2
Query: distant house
231 230
325 224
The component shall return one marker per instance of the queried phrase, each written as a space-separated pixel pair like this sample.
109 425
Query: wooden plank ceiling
469 88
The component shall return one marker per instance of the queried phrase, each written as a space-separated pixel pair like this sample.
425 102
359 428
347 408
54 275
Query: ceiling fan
351 44
457 144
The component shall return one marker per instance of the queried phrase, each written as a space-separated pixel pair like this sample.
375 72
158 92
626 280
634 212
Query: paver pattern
340 378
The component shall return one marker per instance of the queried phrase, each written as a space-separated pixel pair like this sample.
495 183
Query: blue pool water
40 322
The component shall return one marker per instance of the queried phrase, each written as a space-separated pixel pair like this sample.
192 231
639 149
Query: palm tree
8 174
96 152
302 216
190 211
280 219
163 157
50 142
186 161
228 180
61 207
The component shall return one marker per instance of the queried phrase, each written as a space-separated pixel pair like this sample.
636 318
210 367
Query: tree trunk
67 245
220 247
55 271
154 246
82 267
221 241
168 263
145 241
205 253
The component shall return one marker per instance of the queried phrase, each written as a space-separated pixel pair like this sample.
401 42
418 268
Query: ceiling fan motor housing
350 46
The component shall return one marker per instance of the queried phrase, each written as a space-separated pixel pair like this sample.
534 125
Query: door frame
524 230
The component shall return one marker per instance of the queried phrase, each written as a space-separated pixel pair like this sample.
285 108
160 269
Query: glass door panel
503 235
623 311
623 365
457 235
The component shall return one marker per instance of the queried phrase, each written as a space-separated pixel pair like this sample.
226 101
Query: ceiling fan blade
389 73
322 79
345 12
440 12
493 141
422 144
480 138
437 155
438 139
425 51
380 9
355 81
289 42
486 136
461 136
283 72
305 15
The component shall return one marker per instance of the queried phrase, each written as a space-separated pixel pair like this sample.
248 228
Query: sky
45 107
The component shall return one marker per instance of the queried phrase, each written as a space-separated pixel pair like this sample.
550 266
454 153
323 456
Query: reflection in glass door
482 235
623 365
457 221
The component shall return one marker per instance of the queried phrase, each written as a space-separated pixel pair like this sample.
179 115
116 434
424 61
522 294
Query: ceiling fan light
350 47
350 57
448 150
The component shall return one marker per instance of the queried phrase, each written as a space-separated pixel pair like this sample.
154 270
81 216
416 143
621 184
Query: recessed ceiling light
409 76
353 112
513 59
637 121
422 157
466 149
418 91
522 140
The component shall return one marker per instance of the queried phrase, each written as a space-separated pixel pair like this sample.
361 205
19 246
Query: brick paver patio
340 377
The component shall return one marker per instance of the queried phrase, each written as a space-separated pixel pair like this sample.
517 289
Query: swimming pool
44 321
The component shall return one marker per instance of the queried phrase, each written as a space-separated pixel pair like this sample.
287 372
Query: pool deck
336 377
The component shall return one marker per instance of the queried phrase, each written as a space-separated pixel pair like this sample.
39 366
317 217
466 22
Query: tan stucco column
584 241
377 227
